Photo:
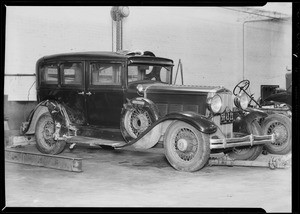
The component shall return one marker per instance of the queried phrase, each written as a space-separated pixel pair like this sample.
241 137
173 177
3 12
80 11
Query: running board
95 141
44 160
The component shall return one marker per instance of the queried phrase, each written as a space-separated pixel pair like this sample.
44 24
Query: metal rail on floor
44 160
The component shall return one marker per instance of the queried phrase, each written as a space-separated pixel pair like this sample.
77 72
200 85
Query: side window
49 74
72 73
133 73
105 74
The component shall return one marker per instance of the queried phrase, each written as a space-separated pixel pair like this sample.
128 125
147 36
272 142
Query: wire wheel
136 121
45 142
186 148
280 126
247 152
185 144
47 132
280 131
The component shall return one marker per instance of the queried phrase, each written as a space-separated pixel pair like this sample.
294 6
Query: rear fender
34 116
63 127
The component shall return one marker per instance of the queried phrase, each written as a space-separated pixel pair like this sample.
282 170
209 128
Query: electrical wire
28 99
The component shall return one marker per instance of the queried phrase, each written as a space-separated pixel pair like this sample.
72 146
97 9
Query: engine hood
155 87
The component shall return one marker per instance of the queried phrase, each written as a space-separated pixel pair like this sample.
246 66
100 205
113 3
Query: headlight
215 104
241 101
140 88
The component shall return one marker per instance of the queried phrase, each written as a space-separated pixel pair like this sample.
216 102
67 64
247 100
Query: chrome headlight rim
140 89
215 104
241 101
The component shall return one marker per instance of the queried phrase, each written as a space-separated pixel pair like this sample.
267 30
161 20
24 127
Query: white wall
205 39
268 51
209 41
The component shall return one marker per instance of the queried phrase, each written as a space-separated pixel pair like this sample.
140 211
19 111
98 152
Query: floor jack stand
273 162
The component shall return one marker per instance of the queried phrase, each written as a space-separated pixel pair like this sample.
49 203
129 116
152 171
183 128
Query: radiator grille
226 129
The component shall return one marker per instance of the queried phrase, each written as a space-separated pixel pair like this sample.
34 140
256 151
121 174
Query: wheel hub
185 144
48 133
137 121
280 133
182 145
140 122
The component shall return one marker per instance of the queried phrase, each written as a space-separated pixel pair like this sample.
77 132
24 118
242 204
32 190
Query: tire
186 148
43 134
281 126
248 153
136 121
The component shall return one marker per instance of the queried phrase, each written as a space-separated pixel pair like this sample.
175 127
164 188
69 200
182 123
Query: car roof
122 55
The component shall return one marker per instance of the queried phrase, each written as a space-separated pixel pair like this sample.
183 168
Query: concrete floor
126 178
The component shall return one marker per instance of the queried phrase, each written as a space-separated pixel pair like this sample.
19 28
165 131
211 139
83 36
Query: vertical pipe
121 35
112 35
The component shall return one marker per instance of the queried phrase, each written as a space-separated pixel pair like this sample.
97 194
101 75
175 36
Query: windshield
149 72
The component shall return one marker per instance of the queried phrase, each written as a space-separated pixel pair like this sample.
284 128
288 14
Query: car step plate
95 141
44 160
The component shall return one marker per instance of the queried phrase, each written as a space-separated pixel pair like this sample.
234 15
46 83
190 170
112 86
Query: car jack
273 162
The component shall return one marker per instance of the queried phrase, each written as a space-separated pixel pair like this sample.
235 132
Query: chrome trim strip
248 140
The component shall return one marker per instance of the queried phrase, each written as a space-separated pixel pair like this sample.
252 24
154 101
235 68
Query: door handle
89 93
81 93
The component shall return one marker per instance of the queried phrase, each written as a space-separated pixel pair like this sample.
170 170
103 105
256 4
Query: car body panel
90 101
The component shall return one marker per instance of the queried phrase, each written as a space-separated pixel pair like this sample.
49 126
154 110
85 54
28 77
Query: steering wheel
243 86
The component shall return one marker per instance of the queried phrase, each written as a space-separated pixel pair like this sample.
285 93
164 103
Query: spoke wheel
136 121
44 136
186 148
280 126
248 153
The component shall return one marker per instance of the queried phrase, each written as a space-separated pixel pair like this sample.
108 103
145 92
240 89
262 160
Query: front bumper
249 140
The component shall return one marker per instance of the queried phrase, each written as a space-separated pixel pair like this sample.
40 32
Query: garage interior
218 46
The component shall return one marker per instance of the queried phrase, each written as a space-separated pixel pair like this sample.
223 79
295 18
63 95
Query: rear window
72 73
49 74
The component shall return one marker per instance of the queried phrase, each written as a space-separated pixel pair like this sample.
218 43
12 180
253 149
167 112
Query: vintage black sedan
127 98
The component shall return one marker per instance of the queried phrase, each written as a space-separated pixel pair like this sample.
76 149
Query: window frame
103 86
148 64
61 67
45 84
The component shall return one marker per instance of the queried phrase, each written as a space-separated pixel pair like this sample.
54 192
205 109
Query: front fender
253 113
200 122
244 118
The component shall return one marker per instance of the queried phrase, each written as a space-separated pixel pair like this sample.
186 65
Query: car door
72 90
105 93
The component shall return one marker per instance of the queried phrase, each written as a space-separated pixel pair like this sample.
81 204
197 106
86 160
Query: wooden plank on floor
44 160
